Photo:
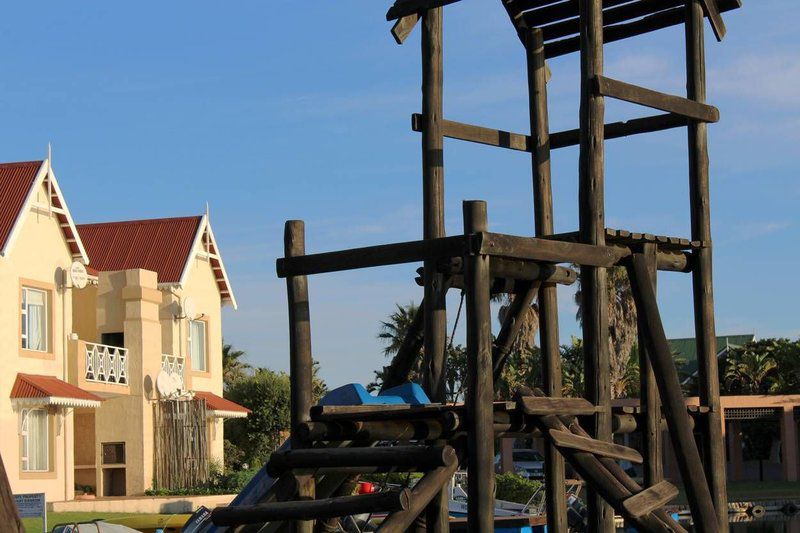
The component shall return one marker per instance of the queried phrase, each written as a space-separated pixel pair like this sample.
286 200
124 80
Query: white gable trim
202 228
45 171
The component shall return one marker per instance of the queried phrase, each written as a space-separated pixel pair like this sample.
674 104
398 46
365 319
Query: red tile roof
217 403
36 386
16 180
161 245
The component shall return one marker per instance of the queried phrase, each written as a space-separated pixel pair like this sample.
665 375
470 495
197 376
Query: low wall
142 504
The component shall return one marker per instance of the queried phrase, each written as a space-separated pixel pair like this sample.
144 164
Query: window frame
25 322
204 355
25 444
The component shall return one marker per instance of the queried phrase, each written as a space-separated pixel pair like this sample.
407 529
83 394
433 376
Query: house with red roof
111 337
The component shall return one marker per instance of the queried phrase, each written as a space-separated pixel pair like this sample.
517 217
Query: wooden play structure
330 444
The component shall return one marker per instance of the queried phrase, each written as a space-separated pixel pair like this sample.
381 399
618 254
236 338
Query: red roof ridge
140 221
215 402
21 163
25 385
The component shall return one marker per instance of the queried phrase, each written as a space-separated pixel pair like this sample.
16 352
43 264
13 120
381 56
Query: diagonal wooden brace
717 24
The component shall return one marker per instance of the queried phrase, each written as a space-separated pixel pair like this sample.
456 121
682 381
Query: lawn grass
34 525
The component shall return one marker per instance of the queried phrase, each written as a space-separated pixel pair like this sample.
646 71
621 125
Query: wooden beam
651 499
403 27
393 430
617 32
563 139
389 501
480 387
702 275
431 484
666 376
512 324
8 506
398 371
371 256
300 358
565 439
714 17
399 457
666 102
403 8
545 405
530 248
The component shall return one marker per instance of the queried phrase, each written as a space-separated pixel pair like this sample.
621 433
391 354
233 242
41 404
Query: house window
34 319
197 345
113 453
35 443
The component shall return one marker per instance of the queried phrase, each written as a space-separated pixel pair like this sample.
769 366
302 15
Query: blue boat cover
356 394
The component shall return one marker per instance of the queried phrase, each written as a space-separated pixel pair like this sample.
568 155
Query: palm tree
526 339
393 330
233 368
747 371
621 326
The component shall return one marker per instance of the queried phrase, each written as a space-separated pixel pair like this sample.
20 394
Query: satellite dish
188 308
164 384
78 275
177 381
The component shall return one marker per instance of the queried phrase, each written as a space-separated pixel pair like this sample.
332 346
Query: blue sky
270 111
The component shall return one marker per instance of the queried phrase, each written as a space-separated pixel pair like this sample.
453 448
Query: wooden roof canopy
558 19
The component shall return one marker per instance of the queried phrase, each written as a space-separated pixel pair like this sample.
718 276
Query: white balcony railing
106 364
173 365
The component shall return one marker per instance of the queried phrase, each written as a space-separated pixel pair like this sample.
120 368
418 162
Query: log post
548 304
480 386
592 231
435 312
649 399
674 405
702 283
300 360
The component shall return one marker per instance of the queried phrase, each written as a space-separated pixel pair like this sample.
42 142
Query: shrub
515 488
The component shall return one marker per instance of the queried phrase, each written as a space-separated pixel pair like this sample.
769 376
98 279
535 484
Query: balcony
106 364
174 366
99 368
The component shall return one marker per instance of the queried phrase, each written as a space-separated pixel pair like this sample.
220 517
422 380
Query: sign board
78 275
32 505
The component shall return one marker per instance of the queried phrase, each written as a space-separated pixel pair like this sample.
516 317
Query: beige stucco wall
39 255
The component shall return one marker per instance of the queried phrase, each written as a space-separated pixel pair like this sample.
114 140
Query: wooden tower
331 444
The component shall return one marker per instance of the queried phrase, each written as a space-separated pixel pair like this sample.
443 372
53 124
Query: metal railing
173 364
106 364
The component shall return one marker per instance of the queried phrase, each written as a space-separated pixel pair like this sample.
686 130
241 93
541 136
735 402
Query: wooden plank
523 143
702 283
565 439
669 387
422 494
558 11
399 457
536 249
392 430
403 27
666 102
300 358
480 386
389 501
371 256
545 405
651 498
403 8
714 17
617 32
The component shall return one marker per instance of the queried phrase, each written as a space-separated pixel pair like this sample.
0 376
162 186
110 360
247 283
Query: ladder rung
544 405
388 502
647 97
565 439
650 499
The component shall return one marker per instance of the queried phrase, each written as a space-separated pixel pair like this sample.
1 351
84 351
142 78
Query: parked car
527 463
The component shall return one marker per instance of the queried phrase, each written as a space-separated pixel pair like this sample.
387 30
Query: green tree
573 377
392 332
621 325
750 370
266 394
233 368
526 338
